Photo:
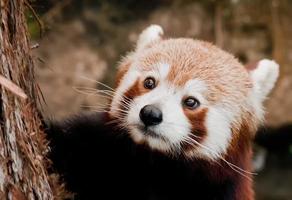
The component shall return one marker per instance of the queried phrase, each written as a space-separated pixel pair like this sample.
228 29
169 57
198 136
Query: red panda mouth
147 132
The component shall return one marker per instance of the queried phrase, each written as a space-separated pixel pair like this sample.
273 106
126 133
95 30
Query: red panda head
188 96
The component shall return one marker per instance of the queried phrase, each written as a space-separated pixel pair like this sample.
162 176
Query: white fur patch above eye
159 71
264 78
148 35
196 88
163 70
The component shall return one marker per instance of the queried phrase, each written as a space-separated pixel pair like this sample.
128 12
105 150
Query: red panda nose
150 115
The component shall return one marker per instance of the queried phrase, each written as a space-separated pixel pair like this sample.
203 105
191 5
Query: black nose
150 115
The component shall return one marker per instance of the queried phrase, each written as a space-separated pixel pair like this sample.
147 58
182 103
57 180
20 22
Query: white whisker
98 82
231 165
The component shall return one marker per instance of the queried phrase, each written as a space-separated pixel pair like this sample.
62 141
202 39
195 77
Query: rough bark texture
23 164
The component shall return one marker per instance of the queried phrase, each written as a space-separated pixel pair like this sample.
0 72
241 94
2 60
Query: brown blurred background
87 39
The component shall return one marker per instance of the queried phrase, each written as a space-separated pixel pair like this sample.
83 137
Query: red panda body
179 126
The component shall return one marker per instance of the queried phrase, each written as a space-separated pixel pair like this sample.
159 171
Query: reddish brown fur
123 69
197 120
137 89
240 154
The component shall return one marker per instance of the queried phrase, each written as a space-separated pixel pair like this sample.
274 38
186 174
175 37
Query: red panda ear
149 35
264 75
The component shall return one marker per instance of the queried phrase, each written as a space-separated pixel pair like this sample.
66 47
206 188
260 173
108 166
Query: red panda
179 126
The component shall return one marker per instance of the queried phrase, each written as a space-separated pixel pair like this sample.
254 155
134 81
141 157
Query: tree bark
23 147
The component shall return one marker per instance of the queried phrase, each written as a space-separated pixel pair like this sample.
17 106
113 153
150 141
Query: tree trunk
23 163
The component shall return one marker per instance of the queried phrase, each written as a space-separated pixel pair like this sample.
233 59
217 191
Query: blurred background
73 39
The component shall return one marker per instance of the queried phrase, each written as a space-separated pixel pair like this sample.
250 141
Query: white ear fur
150 34
264 78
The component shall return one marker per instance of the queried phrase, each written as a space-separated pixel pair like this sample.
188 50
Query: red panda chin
153 140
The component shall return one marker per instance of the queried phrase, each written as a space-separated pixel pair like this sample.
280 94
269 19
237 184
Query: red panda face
182 96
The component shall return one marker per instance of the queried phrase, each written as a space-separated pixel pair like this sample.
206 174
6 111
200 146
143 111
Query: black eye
149 83
191 103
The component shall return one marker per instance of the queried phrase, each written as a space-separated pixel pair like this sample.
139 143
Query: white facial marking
196 88
218 123
159 71
163 70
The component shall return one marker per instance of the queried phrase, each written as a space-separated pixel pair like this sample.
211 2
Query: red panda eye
191 103
149 83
